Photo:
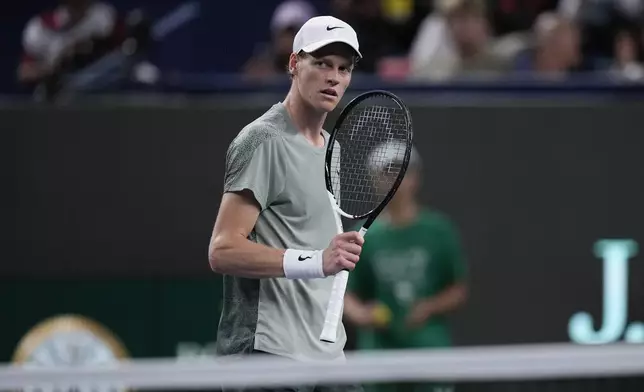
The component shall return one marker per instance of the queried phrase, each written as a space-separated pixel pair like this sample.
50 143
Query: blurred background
116 116
206 46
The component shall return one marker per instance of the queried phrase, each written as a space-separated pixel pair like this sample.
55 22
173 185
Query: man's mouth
330 92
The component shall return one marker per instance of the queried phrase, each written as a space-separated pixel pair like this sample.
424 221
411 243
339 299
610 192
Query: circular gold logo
69 341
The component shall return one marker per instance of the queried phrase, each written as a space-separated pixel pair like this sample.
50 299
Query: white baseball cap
321 31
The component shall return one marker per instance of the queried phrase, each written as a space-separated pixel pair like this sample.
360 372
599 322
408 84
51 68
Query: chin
326 106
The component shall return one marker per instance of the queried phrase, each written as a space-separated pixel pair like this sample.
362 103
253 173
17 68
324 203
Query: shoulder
100 7
264 130
32 30
438 221
432 27
100 11
38 33
257 132
102 17
37 25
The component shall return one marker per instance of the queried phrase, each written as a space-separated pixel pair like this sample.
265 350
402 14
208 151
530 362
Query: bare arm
444 302
447 300
230 252
356 311
31 72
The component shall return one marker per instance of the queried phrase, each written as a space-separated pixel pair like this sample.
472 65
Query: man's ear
292 64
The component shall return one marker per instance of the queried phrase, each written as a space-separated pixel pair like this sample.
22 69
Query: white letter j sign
615 254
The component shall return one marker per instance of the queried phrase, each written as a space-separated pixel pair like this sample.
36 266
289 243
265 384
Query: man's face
410 184
566 43
323 77
470 29
408 187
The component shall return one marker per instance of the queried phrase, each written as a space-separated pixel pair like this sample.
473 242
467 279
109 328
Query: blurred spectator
556 48
601 24
68 38
629 55
270 60
411 274
375 34
454 41
404 18
512 16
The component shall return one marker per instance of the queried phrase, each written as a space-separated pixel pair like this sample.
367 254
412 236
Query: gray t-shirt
286 175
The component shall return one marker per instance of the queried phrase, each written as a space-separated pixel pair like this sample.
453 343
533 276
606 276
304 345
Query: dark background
108 213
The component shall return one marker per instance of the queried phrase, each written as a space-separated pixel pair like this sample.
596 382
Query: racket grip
334 310
336 304
336 300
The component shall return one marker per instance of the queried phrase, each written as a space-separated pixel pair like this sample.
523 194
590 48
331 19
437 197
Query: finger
352 248
353 258
353 236
347 264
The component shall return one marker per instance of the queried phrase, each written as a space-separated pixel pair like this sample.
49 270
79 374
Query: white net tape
530 362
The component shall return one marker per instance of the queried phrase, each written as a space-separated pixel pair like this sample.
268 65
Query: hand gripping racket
366 159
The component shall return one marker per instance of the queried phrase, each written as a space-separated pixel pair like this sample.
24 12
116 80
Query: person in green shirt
411 274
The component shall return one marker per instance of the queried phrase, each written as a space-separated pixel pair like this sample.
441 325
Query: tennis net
551 368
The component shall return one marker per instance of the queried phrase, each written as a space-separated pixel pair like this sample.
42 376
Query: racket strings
372 143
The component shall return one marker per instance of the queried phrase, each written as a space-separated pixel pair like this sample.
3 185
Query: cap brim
318 45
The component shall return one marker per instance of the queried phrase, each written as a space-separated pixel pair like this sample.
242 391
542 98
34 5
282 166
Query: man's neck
402 213
306 119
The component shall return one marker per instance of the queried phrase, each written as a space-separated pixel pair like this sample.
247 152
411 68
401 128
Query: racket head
368 154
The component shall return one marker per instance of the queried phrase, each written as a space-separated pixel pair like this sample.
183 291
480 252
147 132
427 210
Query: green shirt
402 265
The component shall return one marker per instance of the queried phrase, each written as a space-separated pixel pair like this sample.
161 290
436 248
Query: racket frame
336 300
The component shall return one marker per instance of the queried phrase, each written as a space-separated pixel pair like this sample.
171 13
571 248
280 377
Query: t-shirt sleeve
34 43
254 163
453 255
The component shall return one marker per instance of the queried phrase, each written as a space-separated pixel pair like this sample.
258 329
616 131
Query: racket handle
336 304
334 311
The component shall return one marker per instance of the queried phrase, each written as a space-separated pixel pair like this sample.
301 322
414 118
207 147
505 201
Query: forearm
31 72
355 310
448 300
236 255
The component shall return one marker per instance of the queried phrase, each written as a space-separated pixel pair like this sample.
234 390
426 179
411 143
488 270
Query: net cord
527 362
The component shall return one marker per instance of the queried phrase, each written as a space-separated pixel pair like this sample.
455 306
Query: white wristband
303 264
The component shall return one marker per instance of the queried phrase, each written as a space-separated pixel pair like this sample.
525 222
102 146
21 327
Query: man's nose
332 77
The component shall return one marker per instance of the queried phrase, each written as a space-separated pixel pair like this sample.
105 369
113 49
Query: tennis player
275 238
411 275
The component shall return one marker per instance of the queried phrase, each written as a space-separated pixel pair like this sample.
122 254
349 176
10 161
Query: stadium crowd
414 40
439 40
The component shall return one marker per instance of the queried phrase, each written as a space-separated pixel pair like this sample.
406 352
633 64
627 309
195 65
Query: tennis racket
366 159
